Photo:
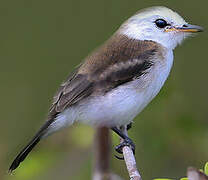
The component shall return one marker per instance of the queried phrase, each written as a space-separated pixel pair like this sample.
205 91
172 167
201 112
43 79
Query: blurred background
42 41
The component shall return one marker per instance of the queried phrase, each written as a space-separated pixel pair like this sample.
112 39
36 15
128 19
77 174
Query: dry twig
130 160
194 174
102 150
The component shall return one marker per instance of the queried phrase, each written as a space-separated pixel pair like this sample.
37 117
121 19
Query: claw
119 148
120 158
129 126
126 142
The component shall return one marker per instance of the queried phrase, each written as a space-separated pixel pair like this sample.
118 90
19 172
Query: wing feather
115 63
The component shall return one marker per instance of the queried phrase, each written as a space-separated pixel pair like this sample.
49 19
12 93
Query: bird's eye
161 23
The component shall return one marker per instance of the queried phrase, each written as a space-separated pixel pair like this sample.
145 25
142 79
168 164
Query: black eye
161 23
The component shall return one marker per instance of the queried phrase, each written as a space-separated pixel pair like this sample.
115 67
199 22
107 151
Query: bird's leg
126 142
129 126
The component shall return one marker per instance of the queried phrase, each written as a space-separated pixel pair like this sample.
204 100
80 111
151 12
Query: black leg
126 142
129 126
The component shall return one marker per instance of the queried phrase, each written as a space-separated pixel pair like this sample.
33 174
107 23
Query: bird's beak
185 28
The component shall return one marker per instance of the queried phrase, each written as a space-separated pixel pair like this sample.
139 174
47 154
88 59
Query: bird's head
159 24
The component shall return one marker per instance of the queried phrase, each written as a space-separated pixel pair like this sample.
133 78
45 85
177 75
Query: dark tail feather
23 154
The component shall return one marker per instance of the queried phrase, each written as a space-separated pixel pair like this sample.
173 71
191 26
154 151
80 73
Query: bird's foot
126 142
129 126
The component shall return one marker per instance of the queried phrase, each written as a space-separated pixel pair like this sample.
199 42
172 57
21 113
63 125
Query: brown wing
117 62
74 89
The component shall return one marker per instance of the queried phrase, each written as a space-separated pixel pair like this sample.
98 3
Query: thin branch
130 160
194 174
102 151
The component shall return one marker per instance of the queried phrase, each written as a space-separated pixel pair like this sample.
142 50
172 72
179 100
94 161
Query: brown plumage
120 78
118 61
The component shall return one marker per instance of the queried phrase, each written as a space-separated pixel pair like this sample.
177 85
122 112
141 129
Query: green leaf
185 178
162 179
201 170
206 168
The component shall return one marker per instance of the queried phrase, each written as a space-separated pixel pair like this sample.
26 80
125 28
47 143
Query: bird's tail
23 154
26 150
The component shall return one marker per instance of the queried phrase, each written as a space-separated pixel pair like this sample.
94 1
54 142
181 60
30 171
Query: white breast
119 106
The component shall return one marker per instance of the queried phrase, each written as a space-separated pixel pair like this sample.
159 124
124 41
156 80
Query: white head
158 24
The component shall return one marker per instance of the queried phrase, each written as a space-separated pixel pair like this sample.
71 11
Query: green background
41 41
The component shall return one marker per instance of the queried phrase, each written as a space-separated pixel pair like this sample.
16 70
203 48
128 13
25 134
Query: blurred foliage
206 168
205 171
42 41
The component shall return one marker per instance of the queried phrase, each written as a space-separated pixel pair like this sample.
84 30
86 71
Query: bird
117 80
